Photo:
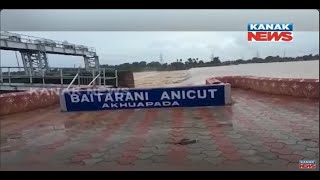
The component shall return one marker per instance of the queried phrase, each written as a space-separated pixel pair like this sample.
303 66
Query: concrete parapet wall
308 88
28 100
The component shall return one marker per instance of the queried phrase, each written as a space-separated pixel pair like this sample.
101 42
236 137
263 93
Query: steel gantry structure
34 51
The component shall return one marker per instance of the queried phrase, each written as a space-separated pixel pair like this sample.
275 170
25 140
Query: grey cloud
120 47
154 20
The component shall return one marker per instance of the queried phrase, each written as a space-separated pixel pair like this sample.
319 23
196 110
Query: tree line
180 64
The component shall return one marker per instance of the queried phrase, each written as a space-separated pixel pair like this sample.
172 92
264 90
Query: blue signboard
87 100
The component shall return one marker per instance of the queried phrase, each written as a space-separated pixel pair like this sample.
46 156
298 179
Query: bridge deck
258 131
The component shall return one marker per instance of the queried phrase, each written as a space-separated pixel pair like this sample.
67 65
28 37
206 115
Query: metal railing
75 77
94 80
11 77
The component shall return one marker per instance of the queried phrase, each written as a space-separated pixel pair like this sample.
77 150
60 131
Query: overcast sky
221 32
123 46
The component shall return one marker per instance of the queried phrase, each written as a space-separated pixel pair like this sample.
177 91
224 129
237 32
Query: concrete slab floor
257 132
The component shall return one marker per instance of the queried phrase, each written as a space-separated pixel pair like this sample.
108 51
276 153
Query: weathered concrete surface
257 132
16 102
307 88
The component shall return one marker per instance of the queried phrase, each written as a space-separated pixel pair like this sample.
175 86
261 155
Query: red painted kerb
40 98
308 88
28 100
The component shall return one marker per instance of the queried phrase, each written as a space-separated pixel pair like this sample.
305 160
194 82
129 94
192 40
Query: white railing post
43 78
9 74
116 76
61 78
74 78
104 77
93 76
78 77
93 80
99 77
1 78
30 75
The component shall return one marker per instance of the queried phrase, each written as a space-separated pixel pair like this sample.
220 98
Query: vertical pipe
116 76
61 78
93 76
9 74
1 77
79 76
104 77
30 75
99 77
43 78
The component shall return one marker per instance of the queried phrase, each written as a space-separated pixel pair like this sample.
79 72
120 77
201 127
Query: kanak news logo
270 32
307 164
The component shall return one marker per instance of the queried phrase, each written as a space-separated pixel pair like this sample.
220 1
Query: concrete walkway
258 132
